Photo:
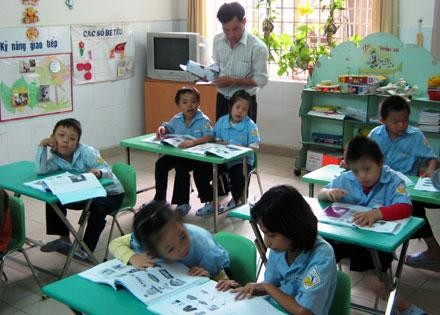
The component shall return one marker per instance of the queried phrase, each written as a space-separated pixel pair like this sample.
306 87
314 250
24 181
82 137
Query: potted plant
332 24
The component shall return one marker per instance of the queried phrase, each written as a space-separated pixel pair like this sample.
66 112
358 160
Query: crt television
166 51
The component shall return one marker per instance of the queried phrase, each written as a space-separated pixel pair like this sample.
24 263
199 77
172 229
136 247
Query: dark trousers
99 209
222 107
420 212
236 179
202 173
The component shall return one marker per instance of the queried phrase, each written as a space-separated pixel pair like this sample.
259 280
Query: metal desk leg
311 189
245 174
259 242
128 155
215 193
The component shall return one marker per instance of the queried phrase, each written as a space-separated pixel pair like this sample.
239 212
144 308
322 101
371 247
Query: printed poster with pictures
35 76
102 52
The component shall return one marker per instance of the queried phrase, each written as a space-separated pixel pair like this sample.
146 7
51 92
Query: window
356 19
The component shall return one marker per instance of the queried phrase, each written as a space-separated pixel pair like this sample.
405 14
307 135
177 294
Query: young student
372 184
236 128
404 148
64 151
301 270
5 221
158 234
190 121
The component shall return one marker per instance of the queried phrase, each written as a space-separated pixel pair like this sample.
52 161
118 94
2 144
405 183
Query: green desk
92 298
371 240
12 177
137 143
325 174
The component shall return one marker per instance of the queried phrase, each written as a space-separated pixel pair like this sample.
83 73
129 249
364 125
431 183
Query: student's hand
198 271
160 132
96 172
225 285
367 218
336 194
248 290
140 261
224 81
187 144
49 142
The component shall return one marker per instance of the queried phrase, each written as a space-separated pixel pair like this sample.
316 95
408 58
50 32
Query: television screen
169 53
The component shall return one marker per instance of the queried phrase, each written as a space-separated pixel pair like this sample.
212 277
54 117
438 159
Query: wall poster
35 76
102 52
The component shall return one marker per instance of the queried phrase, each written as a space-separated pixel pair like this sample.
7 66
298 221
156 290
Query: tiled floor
20 295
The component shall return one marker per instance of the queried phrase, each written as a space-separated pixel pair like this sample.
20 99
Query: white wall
108 111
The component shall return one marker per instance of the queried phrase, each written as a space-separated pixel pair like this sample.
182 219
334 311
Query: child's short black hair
184 90
393 103
283 210
70 123
360 147
243 95
228 11
149 222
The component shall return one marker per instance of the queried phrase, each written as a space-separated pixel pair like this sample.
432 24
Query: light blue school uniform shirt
310 279
200 125
204 250
248 59
84 158
243 133
389 190
403 153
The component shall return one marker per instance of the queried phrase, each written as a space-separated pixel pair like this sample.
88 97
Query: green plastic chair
127 176
341 300
243 255
16 208
254 171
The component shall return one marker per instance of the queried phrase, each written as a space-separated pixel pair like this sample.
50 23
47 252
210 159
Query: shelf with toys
360 78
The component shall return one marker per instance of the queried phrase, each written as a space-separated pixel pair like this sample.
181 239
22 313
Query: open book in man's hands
169 139
221 150
205 73
342 214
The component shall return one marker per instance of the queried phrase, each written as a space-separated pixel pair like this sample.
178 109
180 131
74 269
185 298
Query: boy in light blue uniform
190 121
372 184
404 147
68 154
236 128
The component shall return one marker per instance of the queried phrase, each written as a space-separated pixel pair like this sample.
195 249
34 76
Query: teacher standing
241 56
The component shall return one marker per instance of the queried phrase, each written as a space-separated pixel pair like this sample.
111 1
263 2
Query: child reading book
190 121
64 151
5 221
301 270
405 148
372 184
238 129
158 235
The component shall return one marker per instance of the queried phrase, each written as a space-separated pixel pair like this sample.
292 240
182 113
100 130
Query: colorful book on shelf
220 150
168 289
70 187
342 214
169 139
326 114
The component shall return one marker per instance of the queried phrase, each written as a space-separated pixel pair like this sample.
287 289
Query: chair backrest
127 176
242 254
341 300
16 208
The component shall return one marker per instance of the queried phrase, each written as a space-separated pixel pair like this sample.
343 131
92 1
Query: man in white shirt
242 58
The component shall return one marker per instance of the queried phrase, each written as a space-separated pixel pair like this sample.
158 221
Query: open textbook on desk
342 214
167 289
169 139
70 187
227 151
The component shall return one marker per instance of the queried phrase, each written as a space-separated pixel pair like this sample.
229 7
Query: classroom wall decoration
35 76
102 52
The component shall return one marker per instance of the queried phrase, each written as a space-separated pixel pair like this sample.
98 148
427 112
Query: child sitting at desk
404 147
236 128
68 154
159 234
5 221
372 184
190 121
301 269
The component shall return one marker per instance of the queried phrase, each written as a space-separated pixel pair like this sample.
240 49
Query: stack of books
429 120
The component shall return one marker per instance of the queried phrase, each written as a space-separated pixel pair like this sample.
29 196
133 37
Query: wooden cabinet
160 105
